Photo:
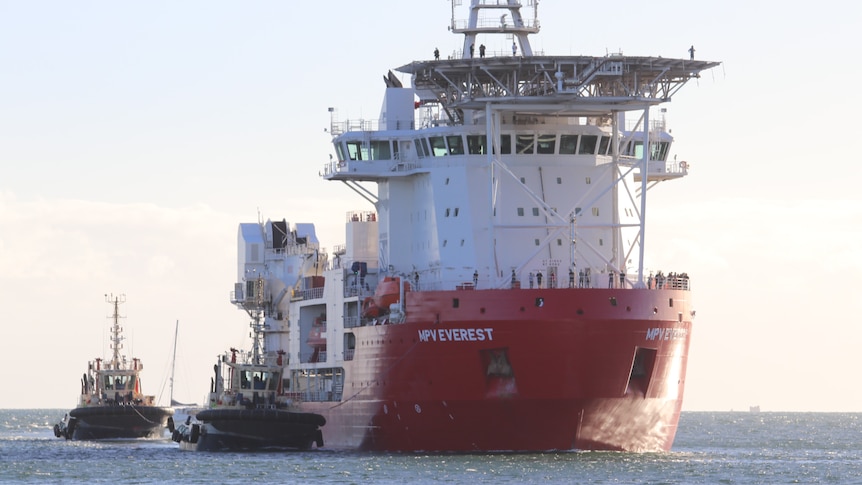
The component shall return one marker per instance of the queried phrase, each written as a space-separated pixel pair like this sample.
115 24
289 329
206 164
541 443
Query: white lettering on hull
666 333
456 334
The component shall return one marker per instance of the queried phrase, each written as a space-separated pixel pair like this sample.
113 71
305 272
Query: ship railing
352 322
348 354
359 286
314 396
529 280
309 294
340 127
370 167
307 355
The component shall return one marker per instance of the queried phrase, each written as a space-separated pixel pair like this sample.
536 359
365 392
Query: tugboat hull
250 430
107 422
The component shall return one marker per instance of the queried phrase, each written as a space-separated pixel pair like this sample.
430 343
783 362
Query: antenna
116 330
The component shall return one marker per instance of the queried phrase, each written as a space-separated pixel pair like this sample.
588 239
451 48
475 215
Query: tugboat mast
116 330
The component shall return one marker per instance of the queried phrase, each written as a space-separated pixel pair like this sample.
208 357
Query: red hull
520 370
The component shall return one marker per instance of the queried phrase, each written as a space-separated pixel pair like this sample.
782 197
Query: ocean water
713 448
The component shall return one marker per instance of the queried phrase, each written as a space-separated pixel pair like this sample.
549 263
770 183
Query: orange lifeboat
387 292
315 336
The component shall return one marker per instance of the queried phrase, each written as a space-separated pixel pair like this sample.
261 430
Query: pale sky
136 136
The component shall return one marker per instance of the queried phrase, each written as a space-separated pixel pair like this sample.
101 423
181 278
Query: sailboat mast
174 360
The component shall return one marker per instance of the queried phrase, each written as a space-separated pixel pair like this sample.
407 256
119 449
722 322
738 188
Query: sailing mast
174 360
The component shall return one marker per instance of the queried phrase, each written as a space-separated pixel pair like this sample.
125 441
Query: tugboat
111 404
248 408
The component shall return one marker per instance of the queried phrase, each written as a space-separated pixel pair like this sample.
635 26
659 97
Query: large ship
497 297
111 404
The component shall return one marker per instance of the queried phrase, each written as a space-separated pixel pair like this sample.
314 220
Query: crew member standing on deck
436 54
691 52
481 50
514 49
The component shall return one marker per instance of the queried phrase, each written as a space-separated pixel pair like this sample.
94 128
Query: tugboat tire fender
195 433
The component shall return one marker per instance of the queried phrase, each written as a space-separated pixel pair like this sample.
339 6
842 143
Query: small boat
248 407
111 404
182 411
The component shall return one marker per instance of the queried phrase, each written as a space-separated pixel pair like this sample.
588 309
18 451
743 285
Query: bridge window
588 145
438 146
659 150
357 151
525 144
505 144
535 211
604 145
520 211
635 149
568 144
547 144
381 150
476 145
456 145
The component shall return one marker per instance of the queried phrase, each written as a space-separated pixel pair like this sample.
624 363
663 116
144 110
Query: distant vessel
498 297
182 411
111 404
248 409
